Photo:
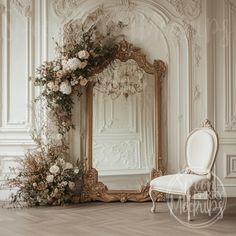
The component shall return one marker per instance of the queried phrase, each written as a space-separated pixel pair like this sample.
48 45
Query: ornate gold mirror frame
92 189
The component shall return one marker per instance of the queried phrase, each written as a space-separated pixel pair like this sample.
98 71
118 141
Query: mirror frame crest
92 189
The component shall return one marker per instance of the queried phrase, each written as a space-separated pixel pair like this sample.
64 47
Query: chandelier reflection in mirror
120 78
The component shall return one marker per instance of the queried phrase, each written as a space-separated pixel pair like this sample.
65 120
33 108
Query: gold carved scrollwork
92 189
160 68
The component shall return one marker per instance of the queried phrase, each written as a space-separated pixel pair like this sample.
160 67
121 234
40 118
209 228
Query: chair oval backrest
201 150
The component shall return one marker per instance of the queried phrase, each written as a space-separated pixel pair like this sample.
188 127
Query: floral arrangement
73 68
45 176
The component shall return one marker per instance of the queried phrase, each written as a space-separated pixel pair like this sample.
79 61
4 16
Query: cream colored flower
63 61
74 82
38 76
55 88
39 199
56 190
61 161
49 198
72 64
65 88
92 53
50 178
83 81
71 185
50 85
64 183
76 170
83 64
56 68
54 169
83 54
34 185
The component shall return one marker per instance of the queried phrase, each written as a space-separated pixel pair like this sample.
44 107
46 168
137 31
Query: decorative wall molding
230 77
7 160
10 156
190 31
192 34
125 155
9 125
64 8
125 11
197 54
17 142
190 9
176 31
196 92
227 141
187 9
24 7
121 10
230 166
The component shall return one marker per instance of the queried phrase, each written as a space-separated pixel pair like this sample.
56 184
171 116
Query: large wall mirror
123 142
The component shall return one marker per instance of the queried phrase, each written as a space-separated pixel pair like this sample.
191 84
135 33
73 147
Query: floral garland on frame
46 176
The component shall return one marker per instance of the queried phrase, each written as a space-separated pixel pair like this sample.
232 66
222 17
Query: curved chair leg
185 203
153 198
209 198
188 205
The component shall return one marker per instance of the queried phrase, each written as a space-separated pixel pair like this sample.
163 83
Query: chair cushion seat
176 184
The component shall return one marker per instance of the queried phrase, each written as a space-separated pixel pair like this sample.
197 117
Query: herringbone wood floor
106 219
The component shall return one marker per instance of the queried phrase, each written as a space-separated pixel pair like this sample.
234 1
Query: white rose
64 183
71 185
74 82
65 88
56 68
63 62
50 85
76 170
39 199
54 104
72 64
83 64
61 161
83 81
68 165
34 185
55 88
38 76
54 169
83 54
50 178
49 198
66 68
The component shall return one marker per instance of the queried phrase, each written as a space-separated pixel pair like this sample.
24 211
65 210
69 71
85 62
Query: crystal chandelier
120 78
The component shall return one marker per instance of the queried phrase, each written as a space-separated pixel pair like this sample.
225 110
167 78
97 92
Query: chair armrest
186 170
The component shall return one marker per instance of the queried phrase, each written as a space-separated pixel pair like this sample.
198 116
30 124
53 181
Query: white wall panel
225 100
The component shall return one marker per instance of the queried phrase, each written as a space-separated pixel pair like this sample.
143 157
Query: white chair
201 150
